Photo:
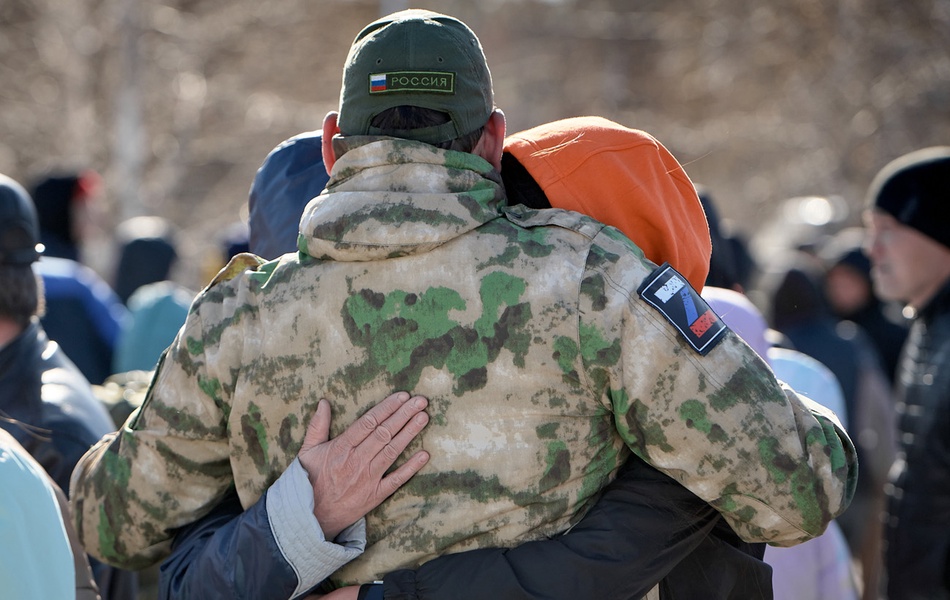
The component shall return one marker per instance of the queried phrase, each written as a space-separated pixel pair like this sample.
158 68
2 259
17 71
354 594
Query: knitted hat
915 190
416 58
19 228
624 178
56 196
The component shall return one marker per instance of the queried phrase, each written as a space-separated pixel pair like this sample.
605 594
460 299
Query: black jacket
918 526
57 416
49 407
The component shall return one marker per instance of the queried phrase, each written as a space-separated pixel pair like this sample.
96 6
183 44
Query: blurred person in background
821 568
292 174
797 309
731 265
156 313
83 313
849 290
37 560
908 222
66 204
156 303
147 253
46 403
233 240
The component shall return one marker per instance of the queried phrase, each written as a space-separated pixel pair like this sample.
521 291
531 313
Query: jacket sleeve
777 466
230 553
169 464
273 550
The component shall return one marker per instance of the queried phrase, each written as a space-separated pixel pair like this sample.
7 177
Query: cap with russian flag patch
434 82
672 295
416 58
377 82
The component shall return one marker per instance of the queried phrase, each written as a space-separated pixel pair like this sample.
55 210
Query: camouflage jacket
524 329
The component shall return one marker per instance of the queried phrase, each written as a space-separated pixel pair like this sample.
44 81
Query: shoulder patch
671 294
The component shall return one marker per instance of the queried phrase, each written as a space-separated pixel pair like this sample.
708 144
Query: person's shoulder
16 464
36 555
67 277
70 403
578 232
53 267
568 220
572 222
9 447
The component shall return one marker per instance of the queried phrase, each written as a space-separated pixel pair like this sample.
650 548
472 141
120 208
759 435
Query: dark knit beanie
915 190
53 196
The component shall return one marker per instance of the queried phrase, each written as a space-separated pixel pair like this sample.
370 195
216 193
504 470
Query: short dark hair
20 295
414 117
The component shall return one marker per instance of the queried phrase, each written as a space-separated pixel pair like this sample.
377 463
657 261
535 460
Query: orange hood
624 178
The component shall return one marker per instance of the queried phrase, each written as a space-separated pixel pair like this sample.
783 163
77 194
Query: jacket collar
388 197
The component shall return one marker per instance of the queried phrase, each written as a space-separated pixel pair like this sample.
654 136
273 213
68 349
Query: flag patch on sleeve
671 294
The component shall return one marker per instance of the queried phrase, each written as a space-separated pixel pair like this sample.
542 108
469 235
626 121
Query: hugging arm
309 523
645 527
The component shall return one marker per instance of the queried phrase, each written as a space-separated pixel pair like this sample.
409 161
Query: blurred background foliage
177 102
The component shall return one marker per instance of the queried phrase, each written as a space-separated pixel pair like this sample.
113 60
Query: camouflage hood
371 210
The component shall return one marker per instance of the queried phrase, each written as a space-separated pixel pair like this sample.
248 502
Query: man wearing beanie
908 223
548 346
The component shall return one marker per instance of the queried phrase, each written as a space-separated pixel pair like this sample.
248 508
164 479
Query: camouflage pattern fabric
523 328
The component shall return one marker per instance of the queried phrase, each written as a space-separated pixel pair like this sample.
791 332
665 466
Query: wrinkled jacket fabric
918 534
524 330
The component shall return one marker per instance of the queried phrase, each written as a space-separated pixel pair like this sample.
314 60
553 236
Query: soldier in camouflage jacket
525 331
548 345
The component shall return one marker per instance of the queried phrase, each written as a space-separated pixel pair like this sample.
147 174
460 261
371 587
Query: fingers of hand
404 436
367 424
390 451
397 478
384 430
407 421
318 430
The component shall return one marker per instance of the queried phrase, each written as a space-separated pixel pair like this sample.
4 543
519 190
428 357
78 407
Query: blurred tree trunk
128 148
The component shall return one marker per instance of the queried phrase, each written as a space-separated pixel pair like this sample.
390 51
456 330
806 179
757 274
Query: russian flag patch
670 293
377 82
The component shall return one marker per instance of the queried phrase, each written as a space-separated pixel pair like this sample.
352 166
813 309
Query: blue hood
292 174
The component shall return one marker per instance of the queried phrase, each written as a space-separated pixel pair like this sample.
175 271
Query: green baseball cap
416 58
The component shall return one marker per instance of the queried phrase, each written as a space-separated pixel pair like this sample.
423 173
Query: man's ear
492 143
330 129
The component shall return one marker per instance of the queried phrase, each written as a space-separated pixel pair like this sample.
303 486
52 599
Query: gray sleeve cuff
298 533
